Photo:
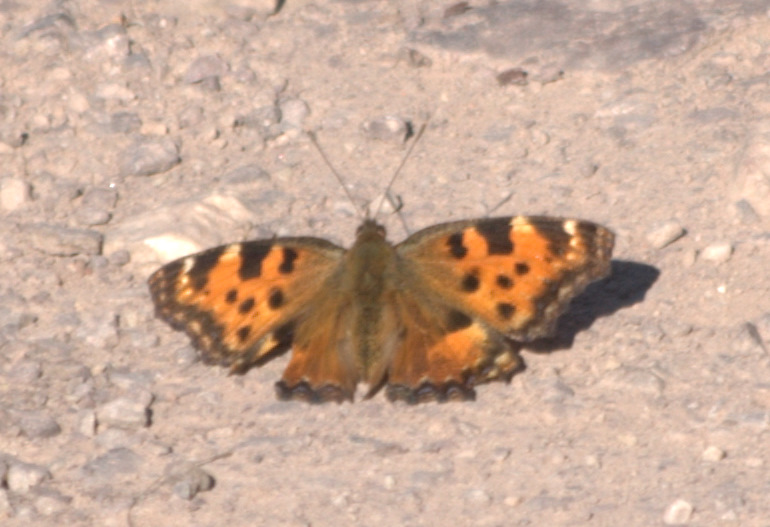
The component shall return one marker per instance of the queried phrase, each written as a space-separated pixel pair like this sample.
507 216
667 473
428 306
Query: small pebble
678 513
717 252
205 67
713 454
37 425
51 502
118 460
387 128
14 193
87 423
192 482
26 371
90 216
148 157
21 477
123 413
63 241
125 123
512 77
293 113
119 258
5 504
415 58
478 497
665 234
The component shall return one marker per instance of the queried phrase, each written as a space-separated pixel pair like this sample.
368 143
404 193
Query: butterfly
426 319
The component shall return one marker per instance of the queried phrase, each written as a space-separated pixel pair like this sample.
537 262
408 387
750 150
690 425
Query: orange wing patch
444 353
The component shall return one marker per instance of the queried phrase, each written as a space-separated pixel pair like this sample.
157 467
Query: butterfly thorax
370 264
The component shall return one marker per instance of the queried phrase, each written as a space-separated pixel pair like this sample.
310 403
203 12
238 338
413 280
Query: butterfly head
370 230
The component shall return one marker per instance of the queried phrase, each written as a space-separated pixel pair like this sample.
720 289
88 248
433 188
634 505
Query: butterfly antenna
400 166
341 181
503 201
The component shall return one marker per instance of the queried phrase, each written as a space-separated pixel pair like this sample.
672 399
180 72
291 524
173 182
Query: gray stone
37 425
386 128
5 504
117 461
86 424
106 43
415 58
125 123
293 113
124 413
148 157
49 502
25 371
204 68
478 497
753 173
90 216
62 241
189 479
119 258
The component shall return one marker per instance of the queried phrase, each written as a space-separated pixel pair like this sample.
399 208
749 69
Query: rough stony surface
134 132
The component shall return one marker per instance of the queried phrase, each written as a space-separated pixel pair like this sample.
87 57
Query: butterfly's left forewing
240 303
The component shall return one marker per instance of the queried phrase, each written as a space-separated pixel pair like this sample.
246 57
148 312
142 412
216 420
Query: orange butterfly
428 318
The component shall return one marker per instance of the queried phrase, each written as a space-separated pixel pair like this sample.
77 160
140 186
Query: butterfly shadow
627 285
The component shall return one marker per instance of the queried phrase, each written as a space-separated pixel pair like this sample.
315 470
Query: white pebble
23 476
717 252
14 193
678 513
123 413
665 234
713 454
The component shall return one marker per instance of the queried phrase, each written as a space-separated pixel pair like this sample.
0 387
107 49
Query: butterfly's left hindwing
239 303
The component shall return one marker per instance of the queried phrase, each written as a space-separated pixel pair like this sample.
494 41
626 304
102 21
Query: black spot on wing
276 299
503 281
252 256
497 233
521 268
457 320
287 265
505 310
202 266
246 306
231 296
456 247
470 282
243 333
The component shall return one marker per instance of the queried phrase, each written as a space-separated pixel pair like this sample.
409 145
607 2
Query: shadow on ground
627 285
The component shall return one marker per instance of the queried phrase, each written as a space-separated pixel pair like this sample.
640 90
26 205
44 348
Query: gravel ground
135 132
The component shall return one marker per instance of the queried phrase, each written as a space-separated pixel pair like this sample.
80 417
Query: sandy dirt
135 132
